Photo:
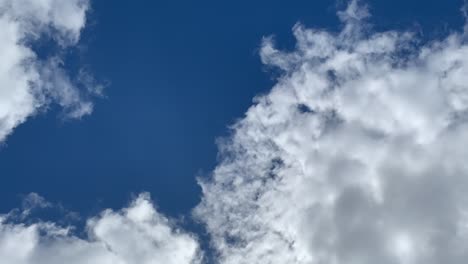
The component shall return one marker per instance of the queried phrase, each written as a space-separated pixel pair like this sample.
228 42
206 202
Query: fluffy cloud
357 155
137 234
29 83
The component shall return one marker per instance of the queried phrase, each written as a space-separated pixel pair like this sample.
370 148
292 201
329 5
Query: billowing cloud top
357 155
29 83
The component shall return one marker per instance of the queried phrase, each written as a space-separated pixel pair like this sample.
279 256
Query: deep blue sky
180 72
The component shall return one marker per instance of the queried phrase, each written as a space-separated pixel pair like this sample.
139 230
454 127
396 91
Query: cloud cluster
29 82
357 155
137 234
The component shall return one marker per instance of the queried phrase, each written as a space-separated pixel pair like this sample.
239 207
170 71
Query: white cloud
134 235
357 155
29 83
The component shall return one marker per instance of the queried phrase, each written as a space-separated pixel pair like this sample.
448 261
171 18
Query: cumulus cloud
357 155
137 234
28 82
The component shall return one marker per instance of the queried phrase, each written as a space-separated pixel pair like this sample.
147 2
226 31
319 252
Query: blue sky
177 75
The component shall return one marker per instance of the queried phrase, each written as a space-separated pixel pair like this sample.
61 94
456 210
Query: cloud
137 234
30 82
357 155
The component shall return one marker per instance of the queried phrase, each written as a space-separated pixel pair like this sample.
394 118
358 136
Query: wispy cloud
29 83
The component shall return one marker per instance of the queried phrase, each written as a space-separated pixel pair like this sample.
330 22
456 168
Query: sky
233 132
